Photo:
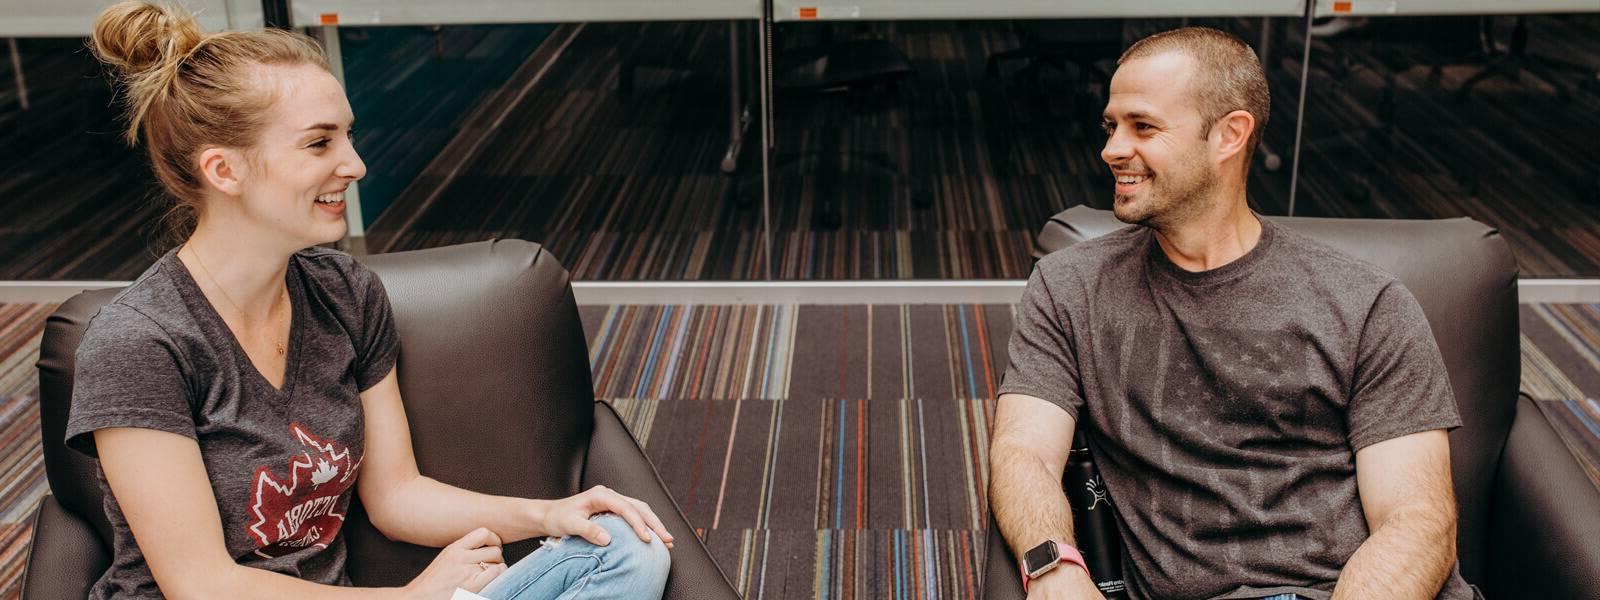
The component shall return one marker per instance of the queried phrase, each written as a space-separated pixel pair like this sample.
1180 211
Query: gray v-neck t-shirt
1224 408
282 461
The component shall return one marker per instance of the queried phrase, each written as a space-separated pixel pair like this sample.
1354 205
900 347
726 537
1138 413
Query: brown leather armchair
1529 516
492 356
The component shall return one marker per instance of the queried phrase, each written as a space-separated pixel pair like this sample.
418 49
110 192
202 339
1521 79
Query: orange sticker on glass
1342 7
808 12
330 18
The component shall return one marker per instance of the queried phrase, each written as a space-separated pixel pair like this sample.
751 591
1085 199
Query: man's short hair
1229 76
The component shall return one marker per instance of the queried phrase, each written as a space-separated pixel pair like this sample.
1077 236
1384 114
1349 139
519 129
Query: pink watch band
1067 554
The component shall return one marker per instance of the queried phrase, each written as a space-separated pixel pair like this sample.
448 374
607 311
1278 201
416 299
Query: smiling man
1269 415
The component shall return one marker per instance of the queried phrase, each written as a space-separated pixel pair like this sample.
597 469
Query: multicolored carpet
820 451
1561 370
22 481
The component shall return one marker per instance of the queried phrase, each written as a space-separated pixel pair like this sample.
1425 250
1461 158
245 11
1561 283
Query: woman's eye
1143 126
321 143
350 134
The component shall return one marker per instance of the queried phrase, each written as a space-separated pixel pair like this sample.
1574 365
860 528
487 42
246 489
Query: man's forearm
1409 556
1027 499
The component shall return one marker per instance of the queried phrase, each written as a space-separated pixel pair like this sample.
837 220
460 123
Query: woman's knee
649 561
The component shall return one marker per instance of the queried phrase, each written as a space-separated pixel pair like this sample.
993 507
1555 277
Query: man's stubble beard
1173 198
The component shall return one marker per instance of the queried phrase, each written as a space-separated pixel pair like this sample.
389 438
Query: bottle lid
1080 440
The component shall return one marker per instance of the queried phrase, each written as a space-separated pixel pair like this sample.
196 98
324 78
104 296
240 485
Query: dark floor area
75 203
627 186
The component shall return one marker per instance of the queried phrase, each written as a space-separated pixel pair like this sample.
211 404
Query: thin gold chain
277 342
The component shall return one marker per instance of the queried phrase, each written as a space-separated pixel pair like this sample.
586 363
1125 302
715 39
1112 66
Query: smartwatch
1046 556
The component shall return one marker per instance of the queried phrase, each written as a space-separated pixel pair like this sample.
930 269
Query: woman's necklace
277 342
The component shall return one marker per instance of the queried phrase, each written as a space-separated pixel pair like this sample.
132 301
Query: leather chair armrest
616 461
65 557
1546 517
1002 575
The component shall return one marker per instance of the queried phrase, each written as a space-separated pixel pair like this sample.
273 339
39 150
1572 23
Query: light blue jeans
574 568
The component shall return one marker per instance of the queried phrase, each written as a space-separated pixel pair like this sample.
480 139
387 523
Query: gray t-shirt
1225 407
282 462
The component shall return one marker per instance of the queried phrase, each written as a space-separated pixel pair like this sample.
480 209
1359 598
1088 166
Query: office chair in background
868 72
1390 47
1089 46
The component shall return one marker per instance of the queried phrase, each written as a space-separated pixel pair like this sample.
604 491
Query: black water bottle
1093 519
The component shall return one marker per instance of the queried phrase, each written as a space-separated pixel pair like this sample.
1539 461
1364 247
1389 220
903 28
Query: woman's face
304 159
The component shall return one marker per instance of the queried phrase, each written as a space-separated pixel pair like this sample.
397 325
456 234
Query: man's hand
1065 582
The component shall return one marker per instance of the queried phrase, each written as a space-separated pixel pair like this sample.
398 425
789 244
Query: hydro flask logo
1098 488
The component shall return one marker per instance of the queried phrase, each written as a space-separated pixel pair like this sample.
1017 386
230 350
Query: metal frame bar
16 70
765 50
355 236
969 291
1300 110
277 13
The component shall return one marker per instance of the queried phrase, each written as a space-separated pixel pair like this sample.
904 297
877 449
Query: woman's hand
468 563
570 516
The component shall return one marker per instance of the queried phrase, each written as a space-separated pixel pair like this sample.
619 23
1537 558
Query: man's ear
1231 135
224 169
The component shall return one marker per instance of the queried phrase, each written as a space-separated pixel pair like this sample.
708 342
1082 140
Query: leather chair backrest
1462 273
494 371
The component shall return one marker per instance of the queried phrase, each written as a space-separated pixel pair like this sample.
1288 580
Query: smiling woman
258 369
184 90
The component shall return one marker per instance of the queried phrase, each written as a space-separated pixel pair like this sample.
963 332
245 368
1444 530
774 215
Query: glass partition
1487 117
931 145
607 146
617 145
938 149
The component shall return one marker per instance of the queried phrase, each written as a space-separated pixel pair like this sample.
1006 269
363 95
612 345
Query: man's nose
1117 149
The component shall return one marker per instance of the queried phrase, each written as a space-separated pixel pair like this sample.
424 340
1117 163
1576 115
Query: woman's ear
224 169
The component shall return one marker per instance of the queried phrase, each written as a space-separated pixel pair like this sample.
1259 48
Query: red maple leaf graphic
302 509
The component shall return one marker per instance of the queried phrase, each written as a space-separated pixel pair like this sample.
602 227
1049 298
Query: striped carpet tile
21 326
22 481
1561 370
855 470
818 464
692 353
14 539
851 564
819 451
901 254
1577 421
1541 378
1568 338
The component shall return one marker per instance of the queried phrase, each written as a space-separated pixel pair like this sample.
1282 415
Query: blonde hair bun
184 91
139 37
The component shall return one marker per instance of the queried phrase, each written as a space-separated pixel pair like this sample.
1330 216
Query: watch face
1041 558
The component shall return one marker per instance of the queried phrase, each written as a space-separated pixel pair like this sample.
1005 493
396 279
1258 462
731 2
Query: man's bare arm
1027 455
1410 508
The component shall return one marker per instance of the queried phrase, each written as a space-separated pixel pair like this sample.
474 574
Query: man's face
1154 142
